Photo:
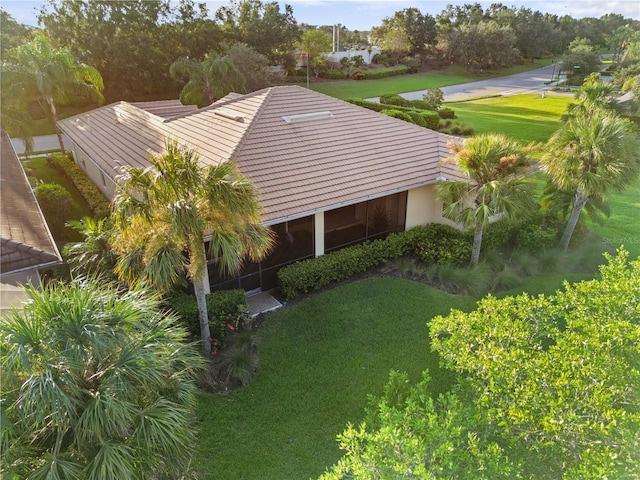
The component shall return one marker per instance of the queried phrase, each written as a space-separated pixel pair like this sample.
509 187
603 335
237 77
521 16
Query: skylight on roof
307 117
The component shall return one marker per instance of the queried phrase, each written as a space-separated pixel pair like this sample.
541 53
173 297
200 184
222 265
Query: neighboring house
26 244
329 173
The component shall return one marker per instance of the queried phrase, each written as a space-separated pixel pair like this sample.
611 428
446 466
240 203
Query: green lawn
319 359
344 89
38 168
527 117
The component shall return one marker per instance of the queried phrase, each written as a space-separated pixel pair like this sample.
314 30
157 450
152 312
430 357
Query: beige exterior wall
423 207
97 176
319 233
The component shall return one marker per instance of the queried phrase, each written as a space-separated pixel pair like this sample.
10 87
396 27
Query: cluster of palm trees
593 152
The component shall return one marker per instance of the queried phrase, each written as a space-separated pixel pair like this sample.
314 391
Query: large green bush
431 119
398 114
55 202
97 202
385 72
334 74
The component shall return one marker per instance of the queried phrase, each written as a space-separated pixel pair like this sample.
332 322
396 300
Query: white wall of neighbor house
97 176
423 207
318 229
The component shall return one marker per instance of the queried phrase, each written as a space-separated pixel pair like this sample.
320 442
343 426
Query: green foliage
433 243
447 113
94 255
55 202
409 434
556 375
96 200
398 114
431 120
395 99
385 72
96 384
221 305
334 74
358 76
433 98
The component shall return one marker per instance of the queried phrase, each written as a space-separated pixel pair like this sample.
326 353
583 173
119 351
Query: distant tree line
133 43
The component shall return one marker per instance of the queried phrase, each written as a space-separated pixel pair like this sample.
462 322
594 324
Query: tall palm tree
96 384
209 80
165 212
589 155
41 72
496 167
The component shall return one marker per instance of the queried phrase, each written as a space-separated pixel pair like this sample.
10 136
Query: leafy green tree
209 80
39 71
434 97
496 189
594 94
12 34
580 60
262 26
94 256
417 30
165 213
253 66
590 155
97 384
558 376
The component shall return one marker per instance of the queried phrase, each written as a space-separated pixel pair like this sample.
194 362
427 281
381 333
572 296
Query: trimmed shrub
433 243
417 118
334 74
97 202
394 100
431 119
358 76
446 113
55 202
538 232
220 305
375 106
385 72
398 114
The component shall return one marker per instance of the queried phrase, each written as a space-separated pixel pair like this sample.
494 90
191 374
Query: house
26 244
329 174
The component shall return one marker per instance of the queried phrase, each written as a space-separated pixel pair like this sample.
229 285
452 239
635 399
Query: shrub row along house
329 174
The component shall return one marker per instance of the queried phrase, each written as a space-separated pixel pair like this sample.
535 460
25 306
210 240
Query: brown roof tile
25 240
298 166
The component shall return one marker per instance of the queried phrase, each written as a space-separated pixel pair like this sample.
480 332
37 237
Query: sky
364 14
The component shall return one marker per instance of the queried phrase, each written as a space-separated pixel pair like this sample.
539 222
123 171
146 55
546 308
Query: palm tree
209 80
593 95
41 72
589 155
96 384
496 188
94 256
165 212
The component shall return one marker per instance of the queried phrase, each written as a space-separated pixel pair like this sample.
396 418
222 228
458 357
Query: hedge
434 243
398 114
403 102
385 72
334 74
431 119
446 113
220 304
97 202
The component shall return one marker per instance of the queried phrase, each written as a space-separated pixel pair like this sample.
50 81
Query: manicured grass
319 359
527 117
344 89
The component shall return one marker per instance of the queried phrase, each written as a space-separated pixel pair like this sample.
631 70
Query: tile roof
304 151
25 240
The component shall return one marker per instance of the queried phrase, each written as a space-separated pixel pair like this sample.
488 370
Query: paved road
41 143
527 82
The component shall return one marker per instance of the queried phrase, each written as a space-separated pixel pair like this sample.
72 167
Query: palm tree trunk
477 243
54 117
578 204
200 290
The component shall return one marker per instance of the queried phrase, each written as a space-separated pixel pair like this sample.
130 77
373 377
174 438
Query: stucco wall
423 207
100 179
